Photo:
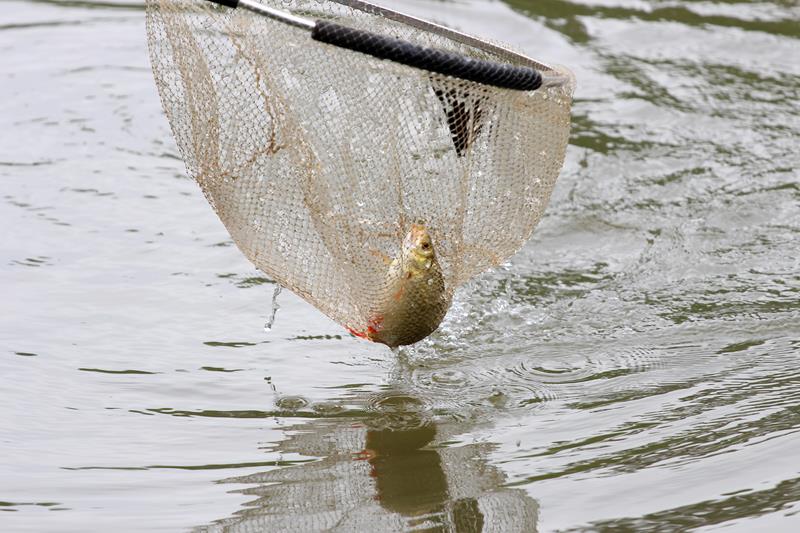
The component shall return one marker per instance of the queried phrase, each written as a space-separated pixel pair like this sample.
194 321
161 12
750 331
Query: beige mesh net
322 162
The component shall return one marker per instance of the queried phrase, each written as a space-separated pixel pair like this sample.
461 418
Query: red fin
374 324
359 334
399 293
373 327
363 455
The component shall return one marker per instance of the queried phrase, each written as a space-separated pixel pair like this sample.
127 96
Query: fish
415 298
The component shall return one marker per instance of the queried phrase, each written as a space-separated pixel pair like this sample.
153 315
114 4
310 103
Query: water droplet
271 320
498 398
450 378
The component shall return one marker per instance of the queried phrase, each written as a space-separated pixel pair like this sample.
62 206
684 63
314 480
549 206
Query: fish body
415 301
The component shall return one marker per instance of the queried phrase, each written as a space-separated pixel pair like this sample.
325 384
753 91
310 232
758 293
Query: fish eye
426 245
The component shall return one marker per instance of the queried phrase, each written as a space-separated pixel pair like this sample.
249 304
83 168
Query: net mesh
320 160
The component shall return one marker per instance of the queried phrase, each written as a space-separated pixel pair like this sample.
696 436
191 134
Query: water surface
635 367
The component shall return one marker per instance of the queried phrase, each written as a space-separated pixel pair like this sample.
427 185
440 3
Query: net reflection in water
385 472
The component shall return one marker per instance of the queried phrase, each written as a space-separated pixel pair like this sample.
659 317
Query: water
635 367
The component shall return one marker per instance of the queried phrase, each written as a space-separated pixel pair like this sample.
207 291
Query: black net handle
392 49
447 63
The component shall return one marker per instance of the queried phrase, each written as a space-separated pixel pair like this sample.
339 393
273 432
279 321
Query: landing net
319 159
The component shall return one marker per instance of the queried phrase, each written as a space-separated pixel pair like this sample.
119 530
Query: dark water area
634 368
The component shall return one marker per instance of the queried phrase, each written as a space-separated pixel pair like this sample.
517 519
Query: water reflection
393 467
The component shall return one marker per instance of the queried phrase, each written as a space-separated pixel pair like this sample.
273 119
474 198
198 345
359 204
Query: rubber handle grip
227 3
431 59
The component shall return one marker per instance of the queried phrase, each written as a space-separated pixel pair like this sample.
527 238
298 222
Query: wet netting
369 161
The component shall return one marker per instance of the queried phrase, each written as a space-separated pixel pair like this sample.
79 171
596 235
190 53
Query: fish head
418 247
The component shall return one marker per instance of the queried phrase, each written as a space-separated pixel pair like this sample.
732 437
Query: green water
634 368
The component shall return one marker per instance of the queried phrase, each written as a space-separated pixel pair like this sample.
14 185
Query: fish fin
399 294
359 334
374 325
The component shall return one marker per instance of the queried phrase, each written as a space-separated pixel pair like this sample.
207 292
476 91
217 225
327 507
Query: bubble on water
449 378
396 403
398 411
498 398
327 408
291 403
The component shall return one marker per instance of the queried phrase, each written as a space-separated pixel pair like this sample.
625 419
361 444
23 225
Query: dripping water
274 308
